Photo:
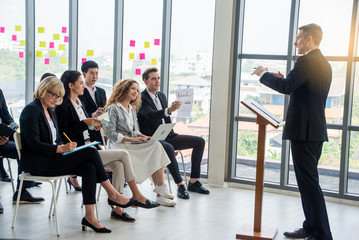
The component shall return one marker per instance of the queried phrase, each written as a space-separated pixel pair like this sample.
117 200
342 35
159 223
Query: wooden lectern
264 117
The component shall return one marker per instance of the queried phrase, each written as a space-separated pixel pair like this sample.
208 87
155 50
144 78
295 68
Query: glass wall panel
251 88
51 37
353 172
355 106
191 69
329 163
12 51
336 30
264 31
96 38
142 33
247 152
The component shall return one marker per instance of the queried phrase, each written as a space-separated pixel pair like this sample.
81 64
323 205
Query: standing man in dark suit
94 97
308 86
8 149
154 112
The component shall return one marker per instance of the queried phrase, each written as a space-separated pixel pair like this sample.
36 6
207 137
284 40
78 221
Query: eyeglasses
54 96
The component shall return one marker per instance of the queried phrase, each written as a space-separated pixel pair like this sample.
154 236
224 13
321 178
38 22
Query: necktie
157 103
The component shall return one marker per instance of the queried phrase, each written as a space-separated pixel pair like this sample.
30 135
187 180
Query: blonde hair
52 84
120 91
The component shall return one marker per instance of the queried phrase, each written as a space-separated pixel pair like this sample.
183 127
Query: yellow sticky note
52 53
63 60
22 42
61 46
147 44
89 52
18 28
38 54
56 36
132 56
154 61
42 44
41 30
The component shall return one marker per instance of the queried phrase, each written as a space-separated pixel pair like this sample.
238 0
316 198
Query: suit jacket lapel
89 98
150 99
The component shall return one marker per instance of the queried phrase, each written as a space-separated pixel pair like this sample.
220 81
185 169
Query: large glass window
12 51
353 173
51 37
142 33
191 69
265 32
96 38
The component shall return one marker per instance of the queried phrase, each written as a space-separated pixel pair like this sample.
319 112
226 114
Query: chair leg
12 179
55 208
98 194
57 188
169 182
66 187
184 169
52 199
18 199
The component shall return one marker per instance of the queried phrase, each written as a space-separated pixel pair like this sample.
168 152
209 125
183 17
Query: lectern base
247 232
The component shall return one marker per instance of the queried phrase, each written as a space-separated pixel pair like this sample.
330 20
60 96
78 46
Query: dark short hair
88 64
69 76
313 30
148 71
45 75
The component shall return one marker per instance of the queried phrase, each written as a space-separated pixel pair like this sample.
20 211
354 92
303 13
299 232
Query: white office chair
52 180
10 171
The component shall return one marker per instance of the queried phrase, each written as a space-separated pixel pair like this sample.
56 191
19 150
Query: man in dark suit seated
153 112
94 97
308 86
8 149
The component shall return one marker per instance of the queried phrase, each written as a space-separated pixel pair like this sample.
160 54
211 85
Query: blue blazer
149 117
36 138
308 86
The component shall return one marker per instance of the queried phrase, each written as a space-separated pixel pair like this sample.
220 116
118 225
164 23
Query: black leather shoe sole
300 233
183 195
149 204
6 179
124 217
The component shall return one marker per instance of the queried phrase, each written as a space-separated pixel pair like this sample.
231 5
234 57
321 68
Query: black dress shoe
297 233
129 204
86 224
197 187
124 217
26 197
149 204
4 177
78 189
1 208
182 192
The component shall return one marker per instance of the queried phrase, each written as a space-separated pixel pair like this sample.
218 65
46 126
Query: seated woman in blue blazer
73 120
42 151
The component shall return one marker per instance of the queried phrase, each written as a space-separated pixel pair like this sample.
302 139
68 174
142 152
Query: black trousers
306 155
86 163
180 142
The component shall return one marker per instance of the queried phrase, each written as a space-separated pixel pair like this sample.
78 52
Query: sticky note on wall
47 60
22 43
66 39
64 29
52 53
138 71
90 52
83 60
21 54
2 29
132 43
61 46
63 60
42 44
41 30
38 54
142 56
132 56
13 37
18 28
147 44
154 61
157 41
51 45
56 36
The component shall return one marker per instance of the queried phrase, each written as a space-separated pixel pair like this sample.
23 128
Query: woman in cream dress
148 159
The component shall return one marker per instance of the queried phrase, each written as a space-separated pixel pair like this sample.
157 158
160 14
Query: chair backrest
16 111
17 139
104 137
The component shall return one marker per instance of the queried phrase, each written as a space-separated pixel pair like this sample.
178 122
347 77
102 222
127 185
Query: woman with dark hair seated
42 151
73 120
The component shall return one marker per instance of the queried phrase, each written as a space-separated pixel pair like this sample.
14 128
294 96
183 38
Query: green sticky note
89 52
41 30
42 44
22 42
63 60
52 53
56 36
38 54
18 28
61 46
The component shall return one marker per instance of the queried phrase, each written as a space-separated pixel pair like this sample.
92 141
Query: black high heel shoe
129 204
86 224
79 189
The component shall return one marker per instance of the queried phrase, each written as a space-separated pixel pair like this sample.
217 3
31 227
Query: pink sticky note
66 39
157 41
2 29
21 54
83 60
142 56
14 37
138 71
64 29
132 43
47 60
51 45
